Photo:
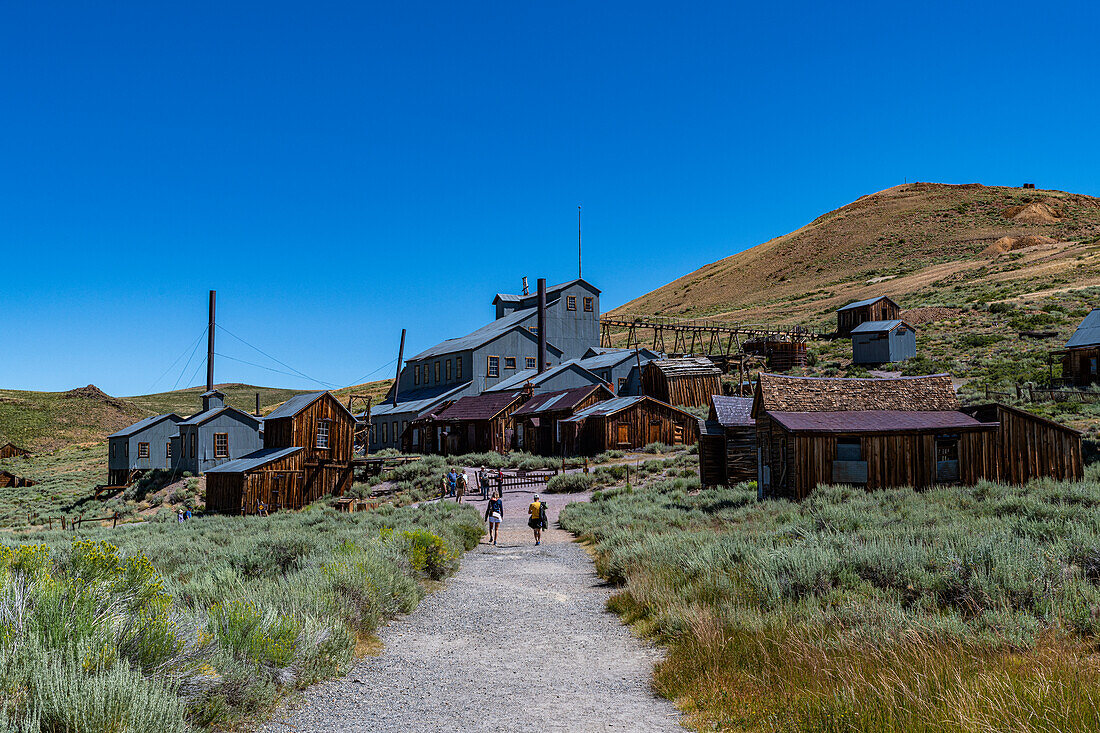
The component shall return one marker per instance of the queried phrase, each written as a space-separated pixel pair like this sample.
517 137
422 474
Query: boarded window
571 302
322 433
396 435
385 432
194 441
848 449
493 366
416 375
677 435
143 450
624 433
509 362
221 445
589 305
531 362
458 368
437 372
622 383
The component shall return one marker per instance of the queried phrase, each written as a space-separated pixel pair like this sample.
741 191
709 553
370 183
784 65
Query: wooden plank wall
542 441
740 455
601 432
1030 447
884 310
712 459
1076 366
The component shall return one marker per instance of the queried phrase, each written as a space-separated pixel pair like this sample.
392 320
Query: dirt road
517 640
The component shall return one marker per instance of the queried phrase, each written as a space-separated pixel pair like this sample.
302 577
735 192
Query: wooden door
624 433
947 460
654 435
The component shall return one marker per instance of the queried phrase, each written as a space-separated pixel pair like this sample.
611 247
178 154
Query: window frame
510 360
143 451
322 433
458 368
385 432
221 453
416 375
622 383
437 371
589 304
492 367
531 362
194 444
447 370
571 302
427 372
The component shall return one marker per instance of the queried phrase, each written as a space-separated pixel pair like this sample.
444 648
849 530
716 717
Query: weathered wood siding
1077 366
686 390
325 470
727 456
543 440
10 450
883 310
281 484
644 422
1029 446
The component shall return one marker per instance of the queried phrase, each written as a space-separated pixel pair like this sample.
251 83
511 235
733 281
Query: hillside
911 242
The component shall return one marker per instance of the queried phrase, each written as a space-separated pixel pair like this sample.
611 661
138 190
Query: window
493 366
322 433
1092 366
531 363
396 435
589 305
386 431
143 450
571 302
458 368
534 330
221 445
404 426
605 375
848 449
113 451
193 442
416 375
622 383
437 372
424 368
448 370
509 362
126 450
373 435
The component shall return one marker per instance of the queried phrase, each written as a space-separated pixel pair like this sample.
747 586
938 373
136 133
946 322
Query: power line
269 356
197 340
188 363
375 371
258 366
198 366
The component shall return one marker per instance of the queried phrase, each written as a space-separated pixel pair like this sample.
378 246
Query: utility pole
400 357
210 346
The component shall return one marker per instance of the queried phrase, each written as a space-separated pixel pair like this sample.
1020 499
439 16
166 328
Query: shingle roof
524 376
420 401
485 334
202 417
484 406
777 392
145 423
733 412
1088 333
875 421
563 399
253 460
880 326
861 303
687 366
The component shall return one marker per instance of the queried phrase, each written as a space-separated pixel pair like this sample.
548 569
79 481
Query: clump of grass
565 483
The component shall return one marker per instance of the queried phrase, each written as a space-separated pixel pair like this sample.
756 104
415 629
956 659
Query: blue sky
338 171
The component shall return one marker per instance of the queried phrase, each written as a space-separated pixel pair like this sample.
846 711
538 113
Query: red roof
876 421
562 399
484 406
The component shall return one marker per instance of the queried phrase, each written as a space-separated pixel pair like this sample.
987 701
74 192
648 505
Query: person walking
443 493
537 521
452 481
494 512
460 486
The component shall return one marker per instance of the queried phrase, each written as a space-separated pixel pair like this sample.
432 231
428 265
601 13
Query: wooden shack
727 442
1081 355
907 431
627 423
862 311
478 423
307 454
10 480
686 381
11 450
538 421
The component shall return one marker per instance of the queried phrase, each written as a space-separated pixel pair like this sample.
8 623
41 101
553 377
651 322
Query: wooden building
1081 356
10 480
307 454
908 431
478 423
538 421
883 342
627 423
863 311
11 450
727 442
687 381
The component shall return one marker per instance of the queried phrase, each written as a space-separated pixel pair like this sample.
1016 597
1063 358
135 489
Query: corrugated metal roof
607 407
825 394
875 421
687 366
420 401
563 399
524 376
733 412
614 358
253 460
860 303
711 427
484 406
202 417
144 423
1088 333
485 334
879 326
294 405
553 290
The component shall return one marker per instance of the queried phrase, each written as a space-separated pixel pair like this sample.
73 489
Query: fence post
1031 392
114 521
1018 392
62 522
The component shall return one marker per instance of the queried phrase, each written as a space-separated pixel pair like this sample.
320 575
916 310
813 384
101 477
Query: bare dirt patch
1034 213
1012 244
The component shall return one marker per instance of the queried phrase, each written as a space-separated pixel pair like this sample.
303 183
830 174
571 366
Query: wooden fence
511 480
1031 393
71 522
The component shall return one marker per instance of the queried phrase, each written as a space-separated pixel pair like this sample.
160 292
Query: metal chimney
210 346
542 324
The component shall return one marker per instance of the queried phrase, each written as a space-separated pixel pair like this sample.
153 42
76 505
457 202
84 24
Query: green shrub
427 553
569 483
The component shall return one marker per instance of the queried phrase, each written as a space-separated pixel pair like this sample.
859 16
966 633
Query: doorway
947 459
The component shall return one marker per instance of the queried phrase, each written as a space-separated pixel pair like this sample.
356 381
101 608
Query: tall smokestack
210 346
257 404
400 357
542 325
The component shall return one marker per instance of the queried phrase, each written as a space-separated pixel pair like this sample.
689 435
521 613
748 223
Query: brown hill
910 240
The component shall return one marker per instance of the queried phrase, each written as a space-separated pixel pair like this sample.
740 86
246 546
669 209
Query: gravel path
517 640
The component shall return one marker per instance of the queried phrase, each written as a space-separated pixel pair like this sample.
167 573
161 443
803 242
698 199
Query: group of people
456 483
536 520
183 514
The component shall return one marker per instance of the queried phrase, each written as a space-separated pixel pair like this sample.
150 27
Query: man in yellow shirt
537 522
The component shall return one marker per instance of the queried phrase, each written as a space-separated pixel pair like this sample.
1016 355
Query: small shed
1029 446
627 423
11 450
10 480
727 442
687 381
479 423
538 421
1081 355
883 342
265 480
862 311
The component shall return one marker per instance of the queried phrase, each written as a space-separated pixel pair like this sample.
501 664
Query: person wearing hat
537 522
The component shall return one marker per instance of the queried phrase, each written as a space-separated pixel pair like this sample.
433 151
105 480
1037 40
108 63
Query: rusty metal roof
562 399
484 406
876 421
777 392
